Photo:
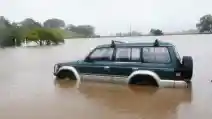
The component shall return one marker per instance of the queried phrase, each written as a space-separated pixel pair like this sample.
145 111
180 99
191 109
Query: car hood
72 63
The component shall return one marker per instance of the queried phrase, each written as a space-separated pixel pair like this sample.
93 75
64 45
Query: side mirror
87 59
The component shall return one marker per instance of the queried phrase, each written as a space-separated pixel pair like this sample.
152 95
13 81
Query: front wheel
66 74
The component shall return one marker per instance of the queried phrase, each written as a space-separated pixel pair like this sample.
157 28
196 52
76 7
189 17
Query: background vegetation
51 32
204 26
54 31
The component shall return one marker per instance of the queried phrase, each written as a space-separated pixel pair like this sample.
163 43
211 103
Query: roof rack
114 42
156 43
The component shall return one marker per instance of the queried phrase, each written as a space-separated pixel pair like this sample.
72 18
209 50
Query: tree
86 30
10 33
10 37
70 27
30 23
156 32
4 23
45 36
54 23
33 36
205 24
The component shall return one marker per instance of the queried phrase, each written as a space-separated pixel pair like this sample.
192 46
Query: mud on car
149 63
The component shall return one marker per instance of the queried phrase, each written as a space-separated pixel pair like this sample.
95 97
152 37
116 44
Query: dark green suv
155 63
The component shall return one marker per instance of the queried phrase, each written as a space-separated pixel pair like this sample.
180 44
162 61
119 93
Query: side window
102 54
156 55
128 54
135 56
123 54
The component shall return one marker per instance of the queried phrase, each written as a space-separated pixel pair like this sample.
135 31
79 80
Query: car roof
156 43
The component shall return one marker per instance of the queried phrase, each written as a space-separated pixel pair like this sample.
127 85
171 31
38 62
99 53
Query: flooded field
28 89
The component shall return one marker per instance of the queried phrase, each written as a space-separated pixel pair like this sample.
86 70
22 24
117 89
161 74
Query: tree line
204 25
156 32
50 32
54 31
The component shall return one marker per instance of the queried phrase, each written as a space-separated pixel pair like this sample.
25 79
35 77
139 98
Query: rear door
159 60
126 61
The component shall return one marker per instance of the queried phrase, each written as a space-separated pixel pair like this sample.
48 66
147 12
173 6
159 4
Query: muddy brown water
28 89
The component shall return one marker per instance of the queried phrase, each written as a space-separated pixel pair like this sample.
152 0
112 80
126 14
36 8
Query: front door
96 67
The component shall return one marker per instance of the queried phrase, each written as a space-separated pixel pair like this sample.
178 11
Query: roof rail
114 42
117 41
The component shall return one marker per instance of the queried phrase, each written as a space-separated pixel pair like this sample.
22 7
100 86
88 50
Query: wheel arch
144 73
71 69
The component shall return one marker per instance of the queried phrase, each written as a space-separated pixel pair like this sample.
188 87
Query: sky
111 16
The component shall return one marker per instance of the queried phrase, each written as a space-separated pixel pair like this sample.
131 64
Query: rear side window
128 54
156 55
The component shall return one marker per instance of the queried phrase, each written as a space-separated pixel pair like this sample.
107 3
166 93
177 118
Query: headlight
56 67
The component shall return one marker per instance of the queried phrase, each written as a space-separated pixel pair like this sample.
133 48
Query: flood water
28 89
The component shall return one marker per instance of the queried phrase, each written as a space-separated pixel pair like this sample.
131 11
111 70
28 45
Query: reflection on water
28 89
145 102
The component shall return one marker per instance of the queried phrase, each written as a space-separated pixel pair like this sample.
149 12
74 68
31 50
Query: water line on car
78 82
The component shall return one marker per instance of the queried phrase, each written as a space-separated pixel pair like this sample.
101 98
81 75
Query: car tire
187 63
66 74
143 80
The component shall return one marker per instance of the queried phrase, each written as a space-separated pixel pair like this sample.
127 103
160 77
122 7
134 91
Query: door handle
106 67
134 68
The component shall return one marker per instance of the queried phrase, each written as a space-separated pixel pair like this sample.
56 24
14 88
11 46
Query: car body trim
166 83
82 74
173 84
104 78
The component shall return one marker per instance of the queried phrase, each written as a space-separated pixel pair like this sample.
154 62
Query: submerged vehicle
150 63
